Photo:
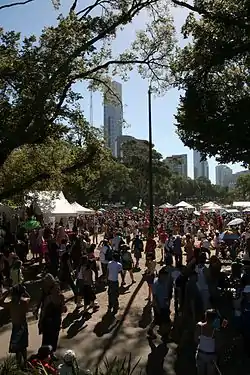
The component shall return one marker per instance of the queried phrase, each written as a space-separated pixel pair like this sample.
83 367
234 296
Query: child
69 365
150 273
206 354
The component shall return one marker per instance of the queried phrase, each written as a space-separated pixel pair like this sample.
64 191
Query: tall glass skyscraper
113 116
201 168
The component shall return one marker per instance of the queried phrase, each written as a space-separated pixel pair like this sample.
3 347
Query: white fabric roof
232 211
166 205
52 203
241 204
211 206
183 204
81 210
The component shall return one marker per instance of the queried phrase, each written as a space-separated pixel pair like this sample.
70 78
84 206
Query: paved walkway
100 336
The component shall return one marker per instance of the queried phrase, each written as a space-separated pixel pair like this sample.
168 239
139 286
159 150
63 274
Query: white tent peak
81 210
51 203
183 204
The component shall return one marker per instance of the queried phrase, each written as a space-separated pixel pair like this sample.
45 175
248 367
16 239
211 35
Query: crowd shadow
146 316
77 326
119 324
106 325
70 318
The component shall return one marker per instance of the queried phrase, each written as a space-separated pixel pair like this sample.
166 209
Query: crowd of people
104 249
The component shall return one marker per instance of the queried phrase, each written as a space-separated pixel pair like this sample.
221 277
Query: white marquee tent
241 204
82 210
52 204
166 205
184 205
211 206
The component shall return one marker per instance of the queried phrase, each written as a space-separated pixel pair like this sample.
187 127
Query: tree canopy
39 104
213 70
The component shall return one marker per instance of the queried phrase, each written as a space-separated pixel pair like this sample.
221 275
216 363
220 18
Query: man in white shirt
114 268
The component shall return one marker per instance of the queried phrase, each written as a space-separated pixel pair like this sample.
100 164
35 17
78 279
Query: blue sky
31 18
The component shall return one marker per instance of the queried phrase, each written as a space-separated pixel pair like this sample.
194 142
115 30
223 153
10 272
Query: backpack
109 254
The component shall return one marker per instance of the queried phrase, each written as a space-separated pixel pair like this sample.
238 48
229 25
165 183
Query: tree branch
213 16
61 100
45 176
73 6
15 4
99 80
87 75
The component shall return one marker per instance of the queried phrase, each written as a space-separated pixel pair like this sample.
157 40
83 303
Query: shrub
115 366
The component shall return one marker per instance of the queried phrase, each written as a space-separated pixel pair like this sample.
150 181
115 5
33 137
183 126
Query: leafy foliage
118 366
38 101
213 71
242 188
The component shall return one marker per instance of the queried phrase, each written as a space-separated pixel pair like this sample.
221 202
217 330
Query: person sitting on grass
42 360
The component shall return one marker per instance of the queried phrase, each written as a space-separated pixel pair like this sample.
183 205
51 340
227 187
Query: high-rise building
121 140
178 164
201 167
113 116
223 175
120 144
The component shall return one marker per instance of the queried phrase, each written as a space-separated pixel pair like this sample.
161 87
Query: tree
242 187
48 165
37 94
213 71
135 157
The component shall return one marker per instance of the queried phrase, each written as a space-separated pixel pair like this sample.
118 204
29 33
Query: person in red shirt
150 246
43 359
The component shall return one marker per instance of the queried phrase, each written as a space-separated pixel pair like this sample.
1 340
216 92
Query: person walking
114 269
52 307
17 305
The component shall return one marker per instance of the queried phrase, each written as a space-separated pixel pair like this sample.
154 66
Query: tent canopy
241 204
211 206
183 204
232 211
82 210
166 205
51 203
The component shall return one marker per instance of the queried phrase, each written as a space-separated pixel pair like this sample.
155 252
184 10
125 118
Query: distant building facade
178 164
201 167
235 177
121 142
223 175
113 116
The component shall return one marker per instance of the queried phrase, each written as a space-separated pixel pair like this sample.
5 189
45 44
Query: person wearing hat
17 304
69 365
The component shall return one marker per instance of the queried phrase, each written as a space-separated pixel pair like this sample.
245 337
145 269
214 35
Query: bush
114 367
119 367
